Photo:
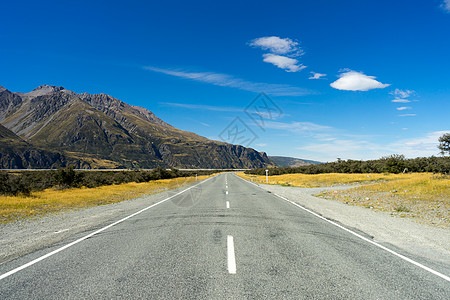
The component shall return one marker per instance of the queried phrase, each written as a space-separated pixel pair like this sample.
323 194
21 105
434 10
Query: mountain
100 131
16 153
283 161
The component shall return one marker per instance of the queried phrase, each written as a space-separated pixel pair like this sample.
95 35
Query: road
222 239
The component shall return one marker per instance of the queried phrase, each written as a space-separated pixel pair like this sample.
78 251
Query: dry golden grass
13 208
321 180
423 196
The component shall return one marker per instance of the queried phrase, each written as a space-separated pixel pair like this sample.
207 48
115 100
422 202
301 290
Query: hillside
284 161
99 131
16 153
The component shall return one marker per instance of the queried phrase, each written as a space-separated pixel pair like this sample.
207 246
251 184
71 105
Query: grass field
13 208
423 196
321 180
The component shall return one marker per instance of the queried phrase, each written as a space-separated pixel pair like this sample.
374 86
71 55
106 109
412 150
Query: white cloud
408 115
230 81
446 5
261 145
286 63
357 81
277 45
315 75
205 124
403 108
401 101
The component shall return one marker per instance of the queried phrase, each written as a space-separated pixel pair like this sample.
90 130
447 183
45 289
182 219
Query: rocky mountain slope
95 131
16 153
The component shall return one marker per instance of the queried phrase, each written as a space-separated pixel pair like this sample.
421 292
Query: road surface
222 239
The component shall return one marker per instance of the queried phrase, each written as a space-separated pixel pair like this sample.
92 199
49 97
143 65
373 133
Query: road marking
226 186
228 204
3 276
231 257
226 192
445 277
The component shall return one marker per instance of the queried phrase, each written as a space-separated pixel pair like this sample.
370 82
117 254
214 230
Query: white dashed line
226 192
231 257
228 204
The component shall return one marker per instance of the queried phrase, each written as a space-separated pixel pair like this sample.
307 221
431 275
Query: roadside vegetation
24 182
392 164
57 199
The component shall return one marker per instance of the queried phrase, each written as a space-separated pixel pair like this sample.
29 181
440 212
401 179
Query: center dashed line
231 257
228 204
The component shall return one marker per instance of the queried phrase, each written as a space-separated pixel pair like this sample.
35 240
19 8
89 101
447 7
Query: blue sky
350 79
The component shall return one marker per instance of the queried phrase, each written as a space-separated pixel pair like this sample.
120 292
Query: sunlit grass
53 200
320 180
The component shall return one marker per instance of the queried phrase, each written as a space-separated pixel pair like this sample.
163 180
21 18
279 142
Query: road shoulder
416 238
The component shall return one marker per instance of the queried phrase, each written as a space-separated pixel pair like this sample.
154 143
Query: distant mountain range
52 127
283 161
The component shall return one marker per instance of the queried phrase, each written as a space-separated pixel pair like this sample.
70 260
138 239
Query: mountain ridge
98 127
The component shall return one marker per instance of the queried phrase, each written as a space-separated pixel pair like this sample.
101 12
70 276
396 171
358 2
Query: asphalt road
222 239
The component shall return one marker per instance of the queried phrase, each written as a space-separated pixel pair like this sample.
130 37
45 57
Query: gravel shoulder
23 237
415 238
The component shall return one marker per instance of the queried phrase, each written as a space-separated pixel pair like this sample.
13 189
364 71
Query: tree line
390 164
25 182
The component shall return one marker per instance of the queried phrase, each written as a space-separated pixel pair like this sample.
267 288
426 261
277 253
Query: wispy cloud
315 75
233 82
282 52
420 146
345 148
203 107
357 81
277 45
401 100
408 115
446 5
403 108
397 93
298 127
401 95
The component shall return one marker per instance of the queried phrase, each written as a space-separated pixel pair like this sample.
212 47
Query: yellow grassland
14 208
423 196
321 180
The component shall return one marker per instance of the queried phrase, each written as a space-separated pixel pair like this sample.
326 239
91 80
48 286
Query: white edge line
3 276
231 257
445 277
